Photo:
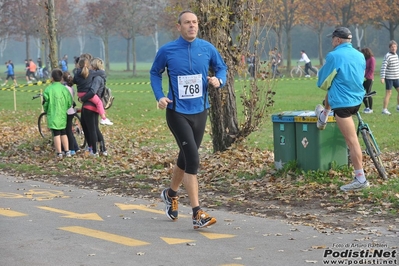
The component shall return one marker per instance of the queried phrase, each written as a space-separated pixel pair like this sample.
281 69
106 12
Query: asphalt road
44 224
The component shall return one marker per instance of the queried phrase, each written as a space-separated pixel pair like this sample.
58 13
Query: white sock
359 174
324 115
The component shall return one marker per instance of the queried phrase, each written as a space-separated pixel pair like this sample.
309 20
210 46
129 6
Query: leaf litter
241 179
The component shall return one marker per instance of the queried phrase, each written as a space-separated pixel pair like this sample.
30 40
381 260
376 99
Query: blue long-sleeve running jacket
187 65
343 75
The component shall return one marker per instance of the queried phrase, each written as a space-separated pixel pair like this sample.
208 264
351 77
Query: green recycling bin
284 137
319 149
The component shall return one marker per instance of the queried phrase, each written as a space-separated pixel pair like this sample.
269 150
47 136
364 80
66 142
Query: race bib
190 86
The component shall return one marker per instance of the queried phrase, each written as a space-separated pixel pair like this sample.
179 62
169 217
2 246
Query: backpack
107 98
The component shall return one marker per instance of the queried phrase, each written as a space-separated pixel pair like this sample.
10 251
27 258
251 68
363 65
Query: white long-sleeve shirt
304 58
390 66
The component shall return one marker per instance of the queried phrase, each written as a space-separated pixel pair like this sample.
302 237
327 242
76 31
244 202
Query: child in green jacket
56 102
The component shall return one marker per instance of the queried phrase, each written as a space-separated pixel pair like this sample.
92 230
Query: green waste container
284 137
318 149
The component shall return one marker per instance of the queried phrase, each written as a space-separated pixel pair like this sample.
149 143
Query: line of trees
26 20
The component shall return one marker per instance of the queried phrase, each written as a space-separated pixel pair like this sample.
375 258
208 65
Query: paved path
43 224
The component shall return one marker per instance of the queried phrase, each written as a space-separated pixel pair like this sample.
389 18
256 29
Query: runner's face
188 26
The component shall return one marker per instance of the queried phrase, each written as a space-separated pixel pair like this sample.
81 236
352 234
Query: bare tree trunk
155 38
289 49
52 35
230 31
128 54
224 127
319 38
106 53
27 46
134 54
81 40
392 28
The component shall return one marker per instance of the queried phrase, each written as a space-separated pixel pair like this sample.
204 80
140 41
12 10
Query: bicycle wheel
44 131
77 131
373 152
296 72
312 74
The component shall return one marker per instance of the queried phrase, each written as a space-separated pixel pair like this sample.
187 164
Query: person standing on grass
187 61
68 83
368 79
64 63
90 82
275 61
40 68
27 74
342 77
10 74
390 75
56 102
95 97
308 64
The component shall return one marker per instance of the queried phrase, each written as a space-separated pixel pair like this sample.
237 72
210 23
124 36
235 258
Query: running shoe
368 111
386 112
355 185
106 121
202 219
171 205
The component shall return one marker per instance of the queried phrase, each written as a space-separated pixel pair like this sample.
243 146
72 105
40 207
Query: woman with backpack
90 81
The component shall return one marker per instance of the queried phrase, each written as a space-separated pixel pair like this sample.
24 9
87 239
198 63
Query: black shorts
57 132
345 112
10 76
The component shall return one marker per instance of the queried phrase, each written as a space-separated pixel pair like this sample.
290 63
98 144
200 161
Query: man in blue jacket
187 61
10 74
342 77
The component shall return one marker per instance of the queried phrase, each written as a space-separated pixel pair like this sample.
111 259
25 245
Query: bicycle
298 71
372 148
77 129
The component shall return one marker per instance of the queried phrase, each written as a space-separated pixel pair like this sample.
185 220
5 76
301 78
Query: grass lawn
135 104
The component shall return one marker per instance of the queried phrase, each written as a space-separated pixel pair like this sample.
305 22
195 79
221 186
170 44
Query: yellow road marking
10 213
104 236
173 241
125 207
7 195
44 194
86 216
216 236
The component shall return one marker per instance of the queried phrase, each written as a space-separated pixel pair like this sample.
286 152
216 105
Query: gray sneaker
319 109
355 185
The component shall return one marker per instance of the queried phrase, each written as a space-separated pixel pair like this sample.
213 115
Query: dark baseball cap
341 32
